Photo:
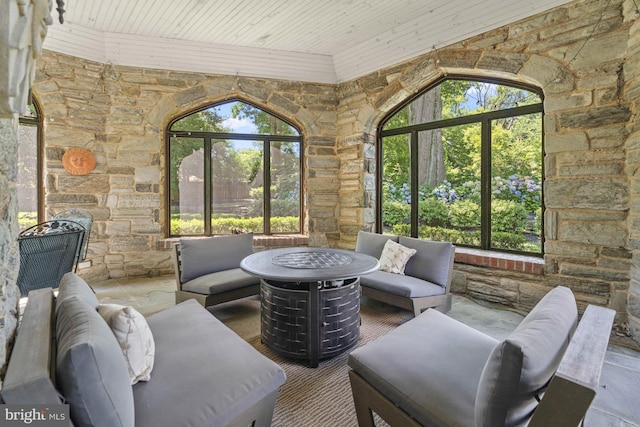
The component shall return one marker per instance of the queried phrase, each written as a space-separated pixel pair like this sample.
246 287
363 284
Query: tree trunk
428 108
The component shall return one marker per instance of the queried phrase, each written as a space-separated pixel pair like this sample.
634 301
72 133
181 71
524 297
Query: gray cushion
73 285
222 281
432 261
372 243
402 285
429 366
521 365
91 370
211 254
204 374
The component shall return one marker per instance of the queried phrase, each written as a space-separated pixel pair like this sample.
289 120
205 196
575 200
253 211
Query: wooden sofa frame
565 402
204 299
30 376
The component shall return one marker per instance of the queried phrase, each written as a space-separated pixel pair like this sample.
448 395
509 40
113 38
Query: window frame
37 122
208 137
485 120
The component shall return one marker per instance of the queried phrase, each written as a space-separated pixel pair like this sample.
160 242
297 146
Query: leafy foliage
451 209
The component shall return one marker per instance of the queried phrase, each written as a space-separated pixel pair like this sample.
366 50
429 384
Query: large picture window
462 162
233 167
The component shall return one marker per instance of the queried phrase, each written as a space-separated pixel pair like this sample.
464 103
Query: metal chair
47 251
83 218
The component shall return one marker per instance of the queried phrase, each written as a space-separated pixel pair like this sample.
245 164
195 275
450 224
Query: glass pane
234 117
186 185
516 177
396 190
449 184
458 98
27 183
285 187
237 181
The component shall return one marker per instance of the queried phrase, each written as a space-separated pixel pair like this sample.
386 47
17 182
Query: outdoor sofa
425 281
203 374
208 269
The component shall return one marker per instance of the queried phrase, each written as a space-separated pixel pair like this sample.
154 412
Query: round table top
304 264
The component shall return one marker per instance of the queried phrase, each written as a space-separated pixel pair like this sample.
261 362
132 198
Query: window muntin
462 162
237 143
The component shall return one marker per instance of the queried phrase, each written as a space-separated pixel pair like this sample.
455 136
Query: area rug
321 397
313 397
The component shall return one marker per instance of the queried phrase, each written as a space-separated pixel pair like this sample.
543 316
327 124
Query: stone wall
582 55
584 58
120 114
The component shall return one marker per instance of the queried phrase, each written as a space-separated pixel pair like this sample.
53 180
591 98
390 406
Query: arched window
233 167
29 183
462 162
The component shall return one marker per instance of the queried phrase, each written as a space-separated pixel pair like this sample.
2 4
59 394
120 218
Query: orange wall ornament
78 161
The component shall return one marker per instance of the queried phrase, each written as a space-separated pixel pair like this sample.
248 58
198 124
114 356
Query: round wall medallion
78 161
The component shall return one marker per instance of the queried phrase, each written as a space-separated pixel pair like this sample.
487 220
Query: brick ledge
500 260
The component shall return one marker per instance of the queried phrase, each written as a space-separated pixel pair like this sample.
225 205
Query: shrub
433 212
395 213
508 216
513 241
226 224
465 213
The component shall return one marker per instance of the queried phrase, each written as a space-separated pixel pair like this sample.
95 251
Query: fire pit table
310 299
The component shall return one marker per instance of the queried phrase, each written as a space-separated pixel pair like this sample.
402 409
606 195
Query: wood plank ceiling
326 41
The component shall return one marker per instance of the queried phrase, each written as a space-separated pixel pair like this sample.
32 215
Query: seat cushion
73 285
432 261
521 365
402 285
430 367
204 374
222 281
373 243
200 256
91 371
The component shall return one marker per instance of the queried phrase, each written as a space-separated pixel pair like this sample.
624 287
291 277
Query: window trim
485 120
207 137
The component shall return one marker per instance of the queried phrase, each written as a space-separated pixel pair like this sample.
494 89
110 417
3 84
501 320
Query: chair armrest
574 386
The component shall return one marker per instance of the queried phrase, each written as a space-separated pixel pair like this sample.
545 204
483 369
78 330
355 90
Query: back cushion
213 254
432 261
372 243
91 371
73 285
521 366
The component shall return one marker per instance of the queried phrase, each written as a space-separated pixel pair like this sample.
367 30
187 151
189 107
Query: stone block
117 227
587 193
139 201
606 234
323 162
147 174
122 244
558 142
91 184
549 73
595 117
502 61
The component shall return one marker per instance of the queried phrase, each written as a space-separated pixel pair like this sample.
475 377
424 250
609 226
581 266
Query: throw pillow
394 257
134 336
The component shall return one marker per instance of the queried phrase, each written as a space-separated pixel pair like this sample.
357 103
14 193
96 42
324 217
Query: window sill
500 260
